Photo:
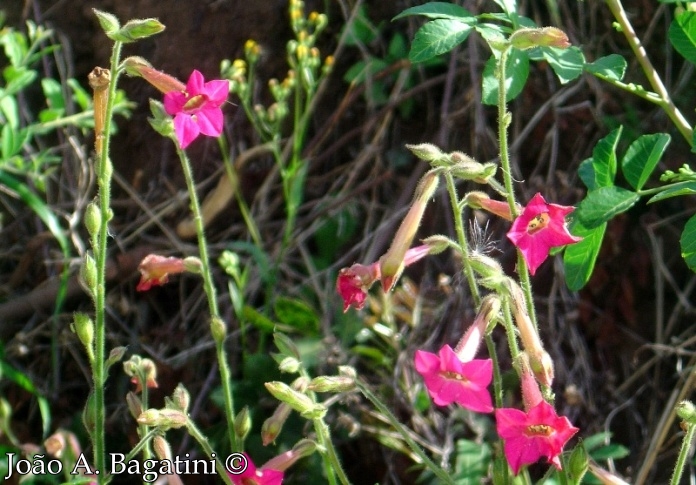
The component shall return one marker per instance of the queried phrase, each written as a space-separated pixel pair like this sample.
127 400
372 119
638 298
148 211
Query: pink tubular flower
540 227
354 282
529 436
449 380
197 109
257 476
538 432
155 270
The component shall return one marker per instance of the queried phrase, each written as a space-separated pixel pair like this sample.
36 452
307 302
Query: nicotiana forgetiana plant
452 375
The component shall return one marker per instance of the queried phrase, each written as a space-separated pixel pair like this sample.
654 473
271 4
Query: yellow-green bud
88 273
687 411
427 152
163 418
332 384
438 243
218 329
297 401
5 410
89 413
193 265
578 463
92 219
242 423
181 398
84 328
289 365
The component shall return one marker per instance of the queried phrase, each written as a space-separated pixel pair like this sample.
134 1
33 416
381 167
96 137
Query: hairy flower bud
161 448
84 328
164 418
528 38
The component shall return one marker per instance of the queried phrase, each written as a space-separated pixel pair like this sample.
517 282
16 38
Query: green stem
511 331
665 101
206 273
143 444
504 119
332 465
444 477
683 454
497 378
202 440
461 236
105 171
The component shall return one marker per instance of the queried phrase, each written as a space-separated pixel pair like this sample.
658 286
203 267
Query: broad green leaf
438 10
579 259
10 110
516 73
53 92
80 95
610 451
361 30
642 157
566 63
508 6
602 204
23 381
688 243
597 440
17 79
612 67
682 188
296 314
437 37
587 174
492 33
604 158
682 35
12 141
471 462
15 46
258 320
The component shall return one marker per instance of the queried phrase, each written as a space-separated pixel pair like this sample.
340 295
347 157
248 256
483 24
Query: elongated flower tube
256 476
392 262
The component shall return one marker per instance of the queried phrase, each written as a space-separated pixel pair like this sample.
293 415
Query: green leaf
642 157
587 174
80 95
54 94
10 110
682 35
21 379
566 63
508 6
471 462
682 188
437 10
516 73
602 204
604 158
437 37
579 259
12 141
612 67
257 319
296 314
688 243
109 23
17 79
610 451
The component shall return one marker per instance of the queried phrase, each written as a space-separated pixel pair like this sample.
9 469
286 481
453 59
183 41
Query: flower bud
135 406
161 448
332 384
108 22
686 411
88 273
252 51
297 401
438 243
289 365
481 200
271 427
304 447
84 328
528 38
577 463
242 424
92 219
181 398
427 152
218 329
163 418
55 444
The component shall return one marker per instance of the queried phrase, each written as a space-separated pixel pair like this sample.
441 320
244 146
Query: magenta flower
449 380
529 436
257 476
197 110
540 227
354 282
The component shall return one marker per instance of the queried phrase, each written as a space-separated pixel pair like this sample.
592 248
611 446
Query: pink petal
210 121
216 91
195 83
186 129
174 102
